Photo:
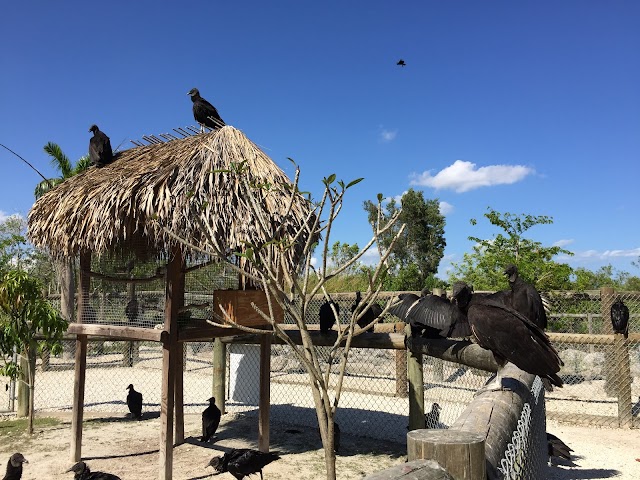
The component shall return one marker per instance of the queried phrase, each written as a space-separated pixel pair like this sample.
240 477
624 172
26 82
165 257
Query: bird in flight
401 63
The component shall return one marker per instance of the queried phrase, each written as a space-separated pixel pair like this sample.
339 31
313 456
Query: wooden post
607 296
81 361
23 387
460 453
167 402
265 393
179 393
131 354
219 373
401 373
622 368
416 387
77 414
418 469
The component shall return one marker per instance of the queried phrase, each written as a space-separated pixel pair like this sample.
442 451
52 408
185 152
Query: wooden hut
188 187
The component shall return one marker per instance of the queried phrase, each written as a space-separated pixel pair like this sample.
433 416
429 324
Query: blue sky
525 107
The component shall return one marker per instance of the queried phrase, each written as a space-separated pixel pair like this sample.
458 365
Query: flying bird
82 472
210 420
620 317
556 448
509 335
242 462
431 316
204 113
371 313
525 298
100 152
134 402
401 63
14 467
327 317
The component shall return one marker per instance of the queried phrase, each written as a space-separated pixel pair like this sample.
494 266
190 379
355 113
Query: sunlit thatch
123 205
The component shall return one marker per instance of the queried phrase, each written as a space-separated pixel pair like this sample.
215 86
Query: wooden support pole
265 393
460 453
179 393
173 285
607 296
401 373
415 376
622 369
219 373
78 398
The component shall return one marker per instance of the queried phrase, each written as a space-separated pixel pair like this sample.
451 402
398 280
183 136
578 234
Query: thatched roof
121 205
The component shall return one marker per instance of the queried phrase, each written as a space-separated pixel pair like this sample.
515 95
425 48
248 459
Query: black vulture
372 312
134 402
14 467
82 472
203 112
432 418
509 335
100 152
210 420
336 436
132 310
242 462
401 63
525 298
327 317
557 448
431 316
620 317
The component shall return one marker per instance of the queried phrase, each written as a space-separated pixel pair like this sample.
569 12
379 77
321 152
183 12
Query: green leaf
355 182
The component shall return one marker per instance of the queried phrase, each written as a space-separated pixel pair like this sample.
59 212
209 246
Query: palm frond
59 160
82 164
46 185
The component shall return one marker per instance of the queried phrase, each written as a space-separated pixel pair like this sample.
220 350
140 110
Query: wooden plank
388 341
117 332
219 373
580 338
197 330
460 453
265 393
238 305
173 285
78 398
458 351
415 375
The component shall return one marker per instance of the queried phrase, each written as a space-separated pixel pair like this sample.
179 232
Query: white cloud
397 198
606 255
446 208
371 256
563 242
314 261
463 176
387 136
4 215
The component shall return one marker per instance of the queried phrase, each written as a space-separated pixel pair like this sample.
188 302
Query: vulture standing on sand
620 317
372 312
203 112
327 318
100 152
242 462
82 472
14 467
134 402
510 336
556 448
525 298
210 420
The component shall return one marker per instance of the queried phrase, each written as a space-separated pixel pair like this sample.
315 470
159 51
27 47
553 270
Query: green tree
484 266
605 276
420 248
14 251
25 312
341 254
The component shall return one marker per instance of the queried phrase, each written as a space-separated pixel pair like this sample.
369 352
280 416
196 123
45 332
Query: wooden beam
179 393
78 398
458 351
581 338
197 330
265 393
118 332
389 341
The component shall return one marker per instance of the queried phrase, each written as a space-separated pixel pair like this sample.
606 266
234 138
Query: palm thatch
194 187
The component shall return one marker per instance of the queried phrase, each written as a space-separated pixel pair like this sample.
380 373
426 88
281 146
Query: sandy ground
128 448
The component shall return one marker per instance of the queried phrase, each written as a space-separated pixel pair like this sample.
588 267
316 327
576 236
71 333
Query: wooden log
495 414
388 341
219 373
265 393
607 297
179 394
23 387
77 412
415 376
622 368
460 453
458 351
581 338
415 470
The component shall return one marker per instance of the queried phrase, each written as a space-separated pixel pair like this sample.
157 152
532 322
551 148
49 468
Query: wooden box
238 304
